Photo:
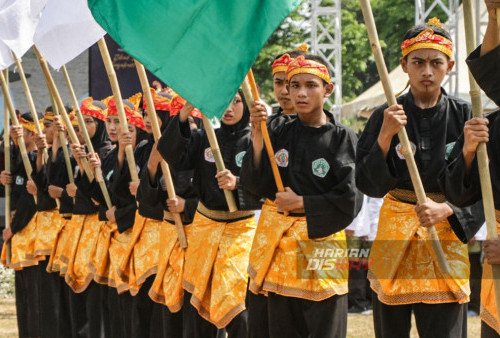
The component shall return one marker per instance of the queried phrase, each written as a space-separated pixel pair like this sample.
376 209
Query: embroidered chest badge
19 180
281 157
399 150
320 167
448 149
239 158
209 156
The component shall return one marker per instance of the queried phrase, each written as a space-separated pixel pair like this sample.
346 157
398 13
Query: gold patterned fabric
402 265
61 241
141 254
117 253
99 257
216 261
167 287
489 313
78 275
48 224
22 248
281 254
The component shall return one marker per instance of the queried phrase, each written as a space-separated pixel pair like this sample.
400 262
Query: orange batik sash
489 312
403 268
216 261
58 260
22 248
99 257
78 275
141 254
280 254
167 287
48 225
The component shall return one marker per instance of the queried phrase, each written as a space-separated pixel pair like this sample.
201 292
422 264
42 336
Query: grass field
357 325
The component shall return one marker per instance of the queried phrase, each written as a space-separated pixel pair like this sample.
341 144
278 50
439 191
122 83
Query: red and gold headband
302 66
49 116
428 40
281 63
133 116
30 125
88 108
73 118
160 102
176 106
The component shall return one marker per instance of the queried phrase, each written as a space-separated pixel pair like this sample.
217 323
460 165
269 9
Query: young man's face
280 82
308 92
29 137
426 69
48 130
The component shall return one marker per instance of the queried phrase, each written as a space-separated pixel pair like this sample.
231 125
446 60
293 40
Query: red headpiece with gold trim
302 66
428 40
49 115
281 63
176 106
160 102
88 108
133 116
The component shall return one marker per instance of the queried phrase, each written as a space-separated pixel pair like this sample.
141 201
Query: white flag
18 21
66 29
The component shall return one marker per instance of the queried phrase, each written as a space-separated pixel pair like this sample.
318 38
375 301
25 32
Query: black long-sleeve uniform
433 133
459 188
21 201
316 163
184 150
41 180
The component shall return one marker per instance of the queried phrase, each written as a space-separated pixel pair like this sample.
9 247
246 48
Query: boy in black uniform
21 231
315 155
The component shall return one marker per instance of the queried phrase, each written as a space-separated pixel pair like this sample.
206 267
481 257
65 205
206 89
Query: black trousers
54 319
487 331
27 301
193 325
258 323
433 320
476 271
172 323
86 311
295 317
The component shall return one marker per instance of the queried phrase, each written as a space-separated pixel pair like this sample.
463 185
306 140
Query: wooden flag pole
31 103
403 137
254 94
219 162
498 18
62 140
119 105
88 142
62 110
482 152
15 122
6 146
150 110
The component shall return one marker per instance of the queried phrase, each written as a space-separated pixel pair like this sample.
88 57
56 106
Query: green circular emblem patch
320 167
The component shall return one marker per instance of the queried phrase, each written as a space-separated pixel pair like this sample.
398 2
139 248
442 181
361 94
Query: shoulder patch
281 157
19 180
209 156
239 158
448 149
320 167
108 176
399 151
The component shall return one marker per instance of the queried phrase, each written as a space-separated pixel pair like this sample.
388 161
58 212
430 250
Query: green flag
201 48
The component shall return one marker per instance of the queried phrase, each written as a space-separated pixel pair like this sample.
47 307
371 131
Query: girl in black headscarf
219 241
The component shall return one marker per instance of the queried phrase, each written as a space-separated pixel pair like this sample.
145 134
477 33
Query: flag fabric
66 30
202 49
18 21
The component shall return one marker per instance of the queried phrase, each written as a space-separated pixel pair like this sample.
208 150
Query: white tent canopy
374 96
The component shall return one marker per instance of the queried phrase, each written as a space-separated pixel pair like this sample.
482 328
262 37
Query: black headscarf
100 140
241 124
